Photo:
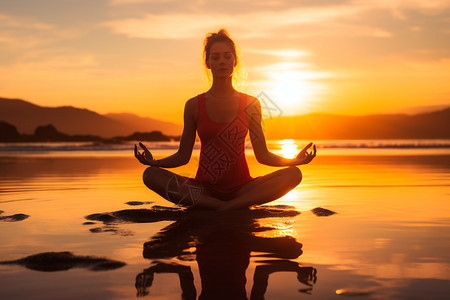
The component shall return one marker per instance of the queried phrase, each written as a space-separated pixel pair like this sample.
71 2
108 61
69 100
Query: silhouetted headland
48 133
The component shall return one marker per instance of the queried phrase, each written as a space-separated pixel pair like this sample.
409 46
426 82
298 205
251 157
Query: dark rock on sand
89 223
268 211
166 208
278 206
161 213
137 216
13 218
62 261
112 229
136 203
322 212
103 217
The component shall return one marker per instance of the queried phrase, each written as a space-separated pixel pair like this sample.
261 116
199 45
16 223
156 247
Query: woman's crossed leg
185 191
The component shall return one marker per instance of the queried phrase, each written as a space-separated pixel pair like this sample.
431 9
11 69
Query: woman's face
221 60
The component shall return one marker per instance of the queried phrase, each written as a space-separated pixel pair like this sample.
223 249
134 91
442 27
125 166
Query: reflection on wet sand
390 238
305 275
224 244
144 280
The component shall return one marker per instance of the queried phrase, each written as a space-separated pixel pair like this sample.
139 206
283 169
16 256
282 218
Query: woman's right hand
145 158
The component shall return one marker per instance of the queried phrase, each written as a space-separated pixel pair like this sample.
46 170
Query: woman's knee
149 176
295 175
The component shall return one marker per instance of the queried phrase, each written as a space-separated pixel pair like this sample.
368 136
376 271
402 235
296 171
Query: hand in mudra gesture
145 157
304 157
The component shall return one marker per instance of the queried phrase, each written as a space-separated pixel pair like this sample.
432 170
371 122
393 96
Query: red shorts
224 195
211 190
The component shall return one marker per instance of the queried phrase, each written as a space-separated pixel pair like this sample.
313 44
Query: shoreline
287 147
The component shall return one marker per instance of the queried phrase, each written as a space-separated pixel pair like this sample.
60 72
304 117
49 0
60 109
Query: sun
294 87
289 90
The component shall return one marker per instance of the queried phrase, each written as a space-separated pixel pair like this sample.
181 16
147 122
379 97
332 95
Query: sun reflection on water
288 148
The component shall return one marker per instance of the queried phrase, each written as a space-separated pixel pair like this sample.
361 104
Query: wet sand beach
365 223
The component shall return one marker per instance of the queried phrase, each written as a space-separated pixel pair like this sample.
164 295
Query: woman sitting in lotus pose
222 117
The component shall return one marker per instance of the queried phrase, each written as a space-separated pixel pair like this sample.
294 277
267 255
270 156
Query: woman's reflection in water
223 253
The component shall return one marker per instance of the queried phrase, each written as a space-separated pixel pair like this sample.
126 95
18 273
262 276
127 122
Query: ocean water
388 239
162 147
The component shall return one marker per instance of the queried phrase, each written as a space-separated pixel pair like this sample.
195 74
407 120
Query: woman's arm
187 141
262 154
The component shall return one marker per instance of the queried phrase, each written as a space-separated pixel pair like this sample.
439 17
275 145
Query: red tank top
222 164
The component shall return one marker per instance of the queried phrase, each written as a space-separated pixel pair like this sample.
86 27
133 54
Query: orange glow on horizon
341 58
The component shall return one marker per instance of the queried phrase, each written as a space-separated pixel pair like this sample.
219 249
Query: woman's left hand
304 157
145 158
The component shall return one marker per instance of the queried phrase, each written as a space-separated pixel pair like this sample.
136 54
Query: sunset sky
144 56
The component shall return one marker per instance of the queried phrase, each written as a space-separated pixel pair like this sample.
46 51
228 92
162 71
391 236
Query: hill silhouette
48 133
145 124
433 125
26 116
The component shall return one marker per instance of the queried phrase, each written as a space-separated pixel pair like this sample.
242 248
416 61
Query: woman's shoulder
192 103
191 107
251 101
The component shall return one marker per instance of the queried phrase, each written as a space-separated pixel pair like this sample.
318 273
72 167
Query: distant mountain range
26 117
431 125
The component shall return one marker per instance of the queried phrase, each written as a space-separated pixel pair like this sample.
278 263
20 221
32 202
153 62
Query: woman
222 117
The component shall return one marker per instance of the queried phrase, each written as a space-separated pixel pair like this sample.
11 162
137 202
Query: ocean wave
272 144
396 144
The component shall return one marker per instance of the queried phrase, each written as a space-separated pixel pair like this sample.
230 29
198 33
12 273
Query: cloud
419 5
9 22
126 2
64 62
400 8
288 23
249 25
350 30
286 53
21 33
295 70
